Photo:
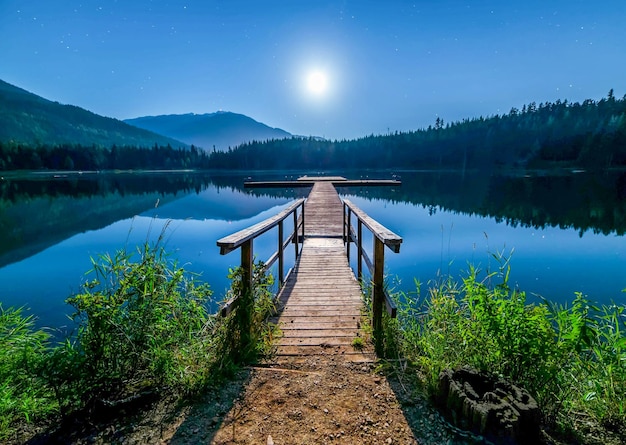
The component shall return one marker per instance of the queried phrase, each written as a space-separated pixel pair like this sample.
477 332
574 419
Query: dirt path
317 401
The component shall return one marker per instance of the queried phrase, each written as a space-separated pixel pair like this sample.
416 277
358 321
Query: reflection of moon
317 82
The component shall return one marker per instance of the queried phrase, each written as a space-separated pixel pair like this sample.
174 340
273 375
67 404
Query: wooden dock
321 299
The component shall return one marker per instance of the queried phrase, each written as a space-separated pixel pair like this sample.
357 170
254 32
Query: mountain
32 120
220 130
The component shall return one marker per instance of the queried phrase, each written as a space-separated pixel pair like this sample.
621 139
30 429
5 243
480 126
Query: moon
317 83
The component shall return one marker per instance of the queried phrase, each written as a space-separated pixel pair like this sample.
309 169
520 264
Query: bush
572 359
250 334
595 374
23 394
142 324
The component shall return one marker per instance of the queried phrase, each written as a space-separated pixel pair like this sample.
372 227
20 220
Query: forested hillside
591 135
32 121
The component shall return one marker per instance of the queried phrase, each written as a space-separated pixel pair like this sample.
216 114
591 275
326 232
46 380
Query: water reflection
582 201
566 229
51 233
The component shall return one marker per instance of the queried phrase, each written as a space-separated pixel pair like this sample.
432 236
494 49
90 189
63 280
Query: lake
564 232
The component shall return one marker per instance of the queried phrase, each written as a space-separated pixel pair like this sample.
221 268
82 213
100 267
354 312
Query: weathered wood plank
286 318
322 350
321 333
312 313
318 341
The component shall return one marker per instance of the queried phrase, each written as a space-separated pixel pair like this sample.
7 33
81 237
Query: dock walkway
321 300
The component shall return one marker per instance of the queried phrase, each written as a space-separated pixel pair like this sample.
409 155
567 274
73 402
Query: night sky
380 66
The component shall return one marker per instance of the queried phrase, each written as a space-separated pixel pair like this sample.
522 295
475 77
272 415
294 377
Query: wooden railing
382 237
244 240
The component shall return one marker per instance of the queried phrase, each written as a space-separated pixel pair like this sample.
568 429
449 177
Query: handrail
244 240
235 240
386 236
382 237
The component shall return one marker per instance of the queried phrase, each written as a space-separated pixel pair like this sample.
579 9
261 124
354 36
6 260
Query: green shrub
23 394
250 334
142 324
595 373
571 358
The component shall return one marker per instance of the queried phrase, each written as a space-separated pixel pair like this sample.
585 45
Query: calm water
564 233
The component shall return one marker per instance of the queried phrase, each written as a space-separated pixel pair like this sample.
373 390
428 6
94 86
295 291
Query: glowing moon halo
317 83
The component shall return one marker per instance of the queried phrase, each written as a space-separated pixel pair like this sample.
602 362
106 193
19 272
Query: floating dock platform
308 181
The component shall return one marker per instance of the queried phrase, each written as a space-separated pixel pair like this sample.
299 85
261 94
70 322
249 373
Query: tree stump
489 406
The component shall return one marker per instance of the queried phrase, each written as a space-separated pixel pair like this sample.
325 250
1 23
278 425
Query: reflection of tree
579 201
37 213
16 190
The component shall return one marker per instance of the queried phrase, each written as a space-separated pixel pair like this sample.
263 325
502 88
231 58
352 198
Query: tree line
591 134
16 156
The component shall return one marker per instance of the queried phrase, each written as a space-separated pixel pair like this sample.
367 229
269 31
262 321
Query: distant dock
308 181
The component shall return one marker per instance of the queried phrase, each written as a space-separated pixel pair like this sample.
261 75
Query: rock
270 441
489 406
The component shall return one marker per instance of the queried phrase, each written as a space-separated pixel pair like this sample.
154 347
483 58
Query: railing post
359 250
343 227
280 254
295 230
378 294
349 233
246 299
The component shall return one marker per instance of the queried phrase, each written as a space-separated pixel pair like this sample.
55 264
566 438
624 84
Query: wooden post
359 249
343 228
348 234
295 229
280 254
378 296
303 222
246 303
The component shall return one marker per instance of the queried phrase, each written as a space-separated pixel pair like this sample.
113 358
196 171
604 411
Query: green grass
143 324
358 344
24 396
142 327
572 358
